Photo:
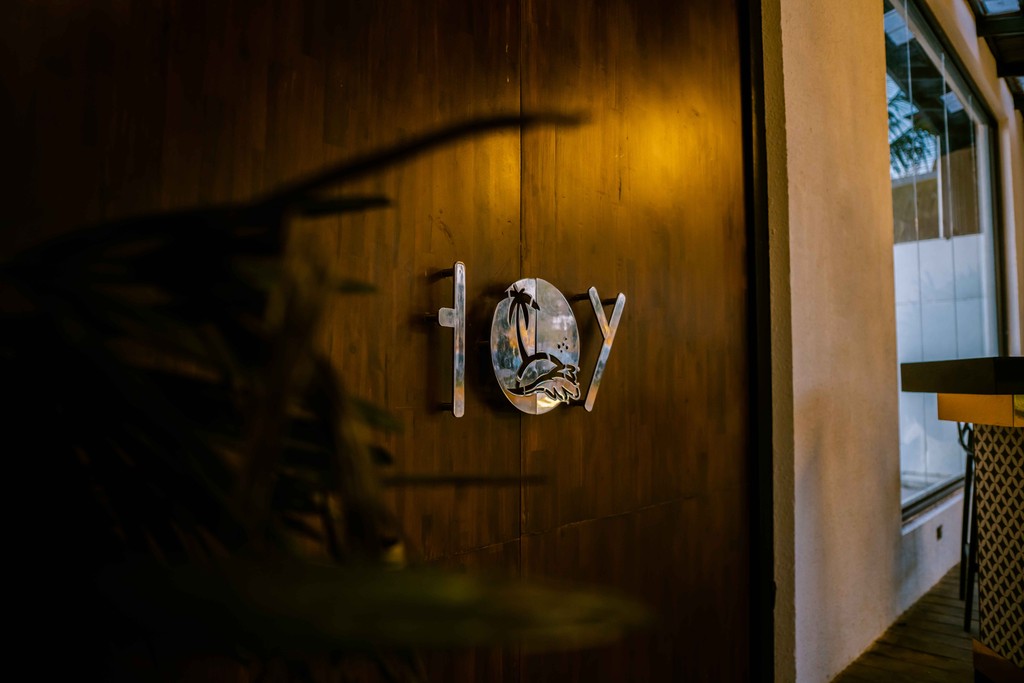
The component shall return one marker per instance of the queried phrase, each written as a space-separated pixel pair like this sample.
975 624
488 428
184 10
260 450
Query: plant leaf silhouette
205 471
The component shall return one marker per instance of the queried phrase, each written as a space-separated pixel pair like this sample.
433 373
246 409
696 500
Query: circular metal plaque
535 347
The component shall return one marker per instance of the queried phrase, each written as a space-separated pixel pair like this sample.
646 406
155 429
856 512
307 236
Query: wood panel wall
121 107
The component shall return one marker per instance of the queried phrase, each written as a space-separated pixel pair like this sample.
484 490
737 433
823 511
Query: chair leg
972 566
965 529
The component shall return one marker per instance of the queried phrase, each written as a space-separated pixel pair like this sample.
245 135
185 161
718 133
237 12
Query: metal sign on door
535 344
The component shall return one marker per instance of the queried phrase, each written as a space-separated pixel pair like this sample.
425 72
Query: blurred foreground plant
187 471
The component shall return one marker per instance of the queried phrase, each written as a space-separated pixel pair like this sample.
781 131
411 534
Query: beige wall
844 464
845 565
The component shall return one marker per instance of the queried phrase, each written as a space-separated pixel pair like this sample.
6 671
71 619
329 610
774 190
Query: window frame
924 25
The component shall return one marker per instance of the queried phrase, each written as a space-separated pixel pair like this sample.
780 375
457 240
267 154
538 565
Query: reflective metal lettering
455 318
608 332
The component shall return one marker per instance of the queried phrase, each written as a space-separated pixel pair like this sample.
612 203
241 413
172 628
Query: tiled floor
927 643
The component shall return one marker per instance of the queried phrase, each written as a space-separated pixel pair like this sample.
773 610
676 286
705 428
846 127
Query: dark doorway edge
762 557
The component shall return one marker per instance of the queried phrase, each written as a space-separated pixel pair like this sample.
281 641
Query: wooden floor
927 643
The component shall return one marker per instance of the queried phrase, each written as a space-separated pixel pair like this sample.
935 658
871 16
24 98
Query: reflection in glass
1000 6
942 233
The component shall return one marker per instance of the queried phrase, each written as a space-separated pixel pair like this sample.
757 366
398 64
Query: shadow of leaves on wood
192 461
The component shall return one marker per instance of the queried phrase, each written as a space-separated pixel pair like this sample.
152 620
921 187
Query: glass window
939 154
1000 6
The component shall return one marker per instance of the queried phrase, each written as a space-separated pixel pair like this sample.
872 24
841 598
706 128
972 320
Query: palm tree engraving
554 378
519 309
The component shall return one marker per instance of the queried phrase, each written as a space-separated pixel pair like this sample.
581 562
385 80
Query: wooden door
648 492
138 106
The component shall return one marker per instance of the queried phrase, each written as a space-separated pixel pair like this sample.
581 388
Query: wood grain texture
646 200
701 632
394 69
131 106
501 665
